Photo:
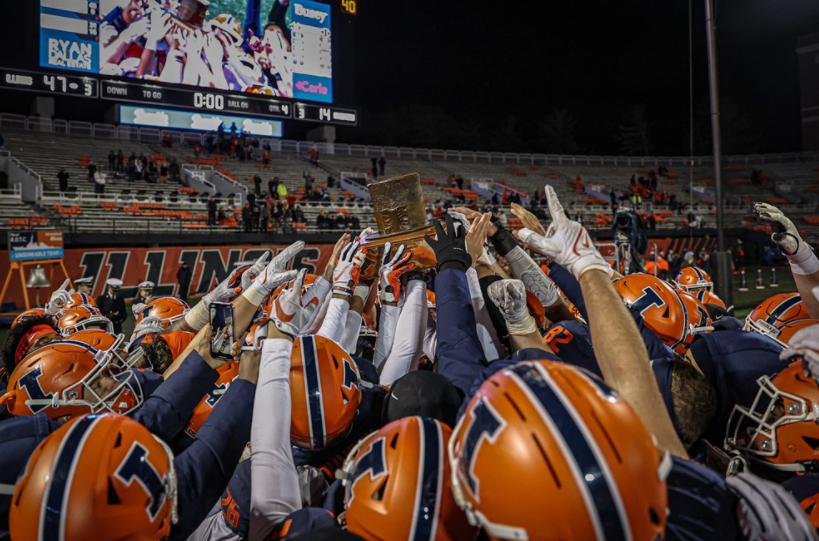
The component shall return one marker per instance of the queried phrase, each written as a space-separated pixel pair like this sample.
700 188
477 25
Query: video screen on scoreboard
254 46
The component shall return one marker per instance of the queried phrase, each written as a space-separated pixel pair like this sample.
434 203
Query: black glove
450 249
503 240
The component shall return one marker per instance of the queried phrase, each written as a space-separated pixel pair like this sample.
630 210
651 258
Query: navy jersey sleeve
168 409
571 342
805 488
204 469
19 437
235 501
459 350
149 381
570 287
700 504
304 520
484 375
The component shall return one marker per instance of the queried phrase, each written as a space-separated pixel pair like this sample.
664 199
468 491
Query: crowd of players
485 397
156 41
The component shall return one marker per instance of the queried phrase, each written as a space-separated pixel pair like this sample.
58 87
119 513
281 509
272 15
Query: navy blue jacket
459 351
732 361
570 287
165 413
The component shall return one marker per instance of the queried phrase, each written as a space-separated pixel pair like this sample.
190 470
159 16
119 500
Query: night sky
475 69
492 60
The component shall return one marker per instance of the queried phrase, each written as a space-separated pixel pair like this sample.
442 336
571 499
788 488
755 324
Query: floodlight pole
724 274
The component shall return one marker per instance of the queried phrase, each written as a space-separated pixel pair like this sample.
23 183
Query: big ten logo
69 54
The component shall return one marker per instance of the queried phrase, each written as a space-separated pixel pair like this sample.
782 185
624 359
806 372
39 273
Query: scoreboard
282 70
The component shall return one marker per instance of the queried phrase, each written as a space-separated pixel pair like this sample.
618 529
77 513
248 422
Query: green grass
745 301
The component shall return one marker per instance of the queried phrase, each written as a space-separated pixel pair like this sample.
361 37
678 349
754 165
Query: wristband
342 290
526 325
255 294
503 241
362 291
803 262
197 317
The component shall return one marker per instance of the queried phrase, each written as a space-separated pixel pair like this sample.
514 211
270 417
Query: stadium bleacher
791 181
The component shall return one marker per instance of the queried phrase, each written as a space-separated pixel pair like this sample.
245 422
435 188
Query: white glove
799 253
348 270
254 271
804 344
159 28
147 326
566 241
273 275
510 298
393 269
59 299
137 308
136 30
767 512
290 315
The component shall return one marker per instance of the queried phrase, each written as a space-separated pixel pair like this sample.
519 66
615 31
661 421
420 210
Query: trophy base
422 254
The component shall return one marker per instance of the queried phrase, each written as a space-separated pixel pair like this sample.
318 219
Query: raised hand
348 269
566 241
476 237
59 299
289 314
785 233
273 275
510 298
284 257
449 246
529 220
394 267
254 271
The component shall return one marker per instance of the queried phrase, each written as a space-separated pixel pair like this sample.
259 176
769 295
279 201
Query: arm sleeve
274 487
527 271
459 350
386 333
333 325
168 409
409 339
204 469
430 338
320 315
491 343
352 328
570 287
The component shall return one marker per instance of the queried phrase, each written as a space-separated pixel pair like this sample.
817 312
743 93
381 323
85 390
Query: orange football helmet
325 392
28 314
674 316
708 297
380 474
117 477
693 279
228 372
101 340
781 428
773 315
78 299
167 309
79 318
70 378
546 431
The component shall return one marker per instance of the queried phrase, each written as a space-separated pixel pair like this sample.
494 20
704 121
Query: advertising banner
35 245
208 266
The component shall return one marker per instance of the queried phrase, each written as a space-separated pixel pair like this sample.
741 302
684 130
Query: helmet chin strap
6 489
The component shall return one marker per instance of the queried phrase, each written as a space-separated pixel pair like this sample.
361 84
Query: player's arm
624 360
459 351
803 262
275 491
412 324
345 279
510 298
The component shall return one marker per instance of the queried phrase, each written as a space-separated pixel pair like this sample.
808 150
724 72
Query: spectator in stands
298 215
112 305
131 170
271 187
308 182
255 215
62 178
99 183
92 168
341 221
257 182
374 167
281 190
163 173
265 157
264 216
247 217
139 169
173 169
112 161
251 197
313 154
382 163
322 222
495 200
211 211
277 212
183 277
120 160
331 181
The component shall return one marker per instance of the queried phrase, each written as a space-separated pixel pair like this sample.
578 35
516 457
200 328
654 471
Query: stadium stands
582 182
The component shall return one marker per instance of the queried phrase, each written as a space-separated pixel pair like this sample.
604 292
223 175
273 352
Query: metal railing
155 136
